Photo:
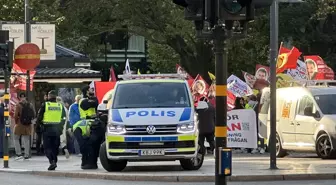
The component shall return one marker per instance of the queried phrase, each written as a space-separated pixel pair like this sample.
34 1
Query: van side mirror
308 111
105 102
202 105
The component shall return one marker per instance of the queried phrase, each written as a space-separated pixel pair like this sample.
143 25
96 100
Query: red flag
112 75
287 59
19 81
101 88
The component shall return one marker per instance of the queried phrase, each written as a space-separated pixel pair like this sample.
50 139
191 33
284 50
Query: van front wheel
280 152
194 163
323 147
109 165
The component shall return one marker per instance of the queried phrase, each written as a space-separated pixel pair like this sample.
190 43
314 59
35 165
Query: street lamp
274 34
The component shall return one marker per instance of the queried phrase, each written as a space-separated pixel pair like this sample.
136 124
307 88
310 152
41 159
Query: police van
151 118
305 117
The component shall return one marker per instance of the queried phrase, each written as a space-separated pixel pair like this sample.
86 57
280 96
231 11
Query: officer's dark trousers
96 138
83 143
51 145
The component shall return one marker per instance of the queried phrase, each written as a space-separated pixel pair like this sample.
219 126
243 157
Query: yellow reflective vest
53 113
84 126
86 113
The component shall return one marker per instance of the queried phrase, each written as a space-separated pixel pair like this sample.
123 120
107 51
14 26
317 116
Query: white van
306 120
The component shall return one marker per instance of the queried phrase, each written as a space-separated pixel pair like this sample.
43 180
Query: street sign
43 35
27 56
16 33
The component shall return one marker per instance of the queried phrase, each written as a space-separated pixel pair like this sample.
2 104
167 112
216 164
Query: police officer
51 119
86 134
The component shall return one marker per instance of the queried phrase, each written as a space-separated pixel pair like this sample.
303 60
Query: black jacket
206 124
50 130
89 102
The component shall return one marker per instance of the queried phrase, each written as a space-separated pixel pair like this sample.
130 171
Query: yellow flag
212 76
139 72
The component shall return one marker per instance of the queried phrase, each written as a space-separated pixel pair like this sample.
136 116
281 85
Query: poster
238 87
300 73
16 33
199 88
242 129
43 35
317 69
19 81
262 72
180 70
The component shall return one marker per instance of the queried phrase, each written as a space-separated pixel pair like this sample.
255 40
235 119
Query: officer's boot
52 166
90 165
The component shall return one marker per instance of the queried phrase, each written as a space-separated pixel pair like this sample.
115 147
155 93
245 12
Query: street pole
274 22
4 38
27 40
220 51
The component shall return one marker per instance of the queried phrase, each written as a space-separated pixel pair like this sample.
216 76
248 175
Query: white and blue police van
151 118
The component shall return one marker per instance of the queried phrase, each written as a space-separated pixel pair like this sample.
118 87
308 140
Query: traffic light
193 10
6 54
240 10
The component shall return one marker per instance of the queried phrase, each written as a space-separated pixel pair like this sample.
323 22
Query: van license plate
151 152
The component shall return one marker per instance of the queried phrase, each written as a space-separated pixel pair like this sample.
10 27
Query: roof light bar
152 76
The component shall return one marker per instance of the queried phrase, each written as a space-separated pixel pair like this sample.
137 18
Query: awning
64 75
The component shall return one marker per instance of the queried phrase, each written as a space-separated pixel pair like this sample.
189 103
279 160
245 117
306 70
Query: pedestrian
39 146
52 116
63 138
74 117
23 117
206 126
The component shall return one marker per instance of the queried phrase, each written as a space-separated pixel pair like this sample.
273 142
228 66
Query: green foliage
309 26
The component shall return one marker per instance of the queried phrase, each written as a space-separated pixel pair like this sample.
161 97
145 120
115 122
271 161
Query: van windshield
151 95
327 103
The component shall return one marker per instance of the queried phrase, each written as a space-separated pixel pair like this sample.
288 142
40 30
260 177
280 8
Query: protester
74 116
206 126
23 116
63 138
52 116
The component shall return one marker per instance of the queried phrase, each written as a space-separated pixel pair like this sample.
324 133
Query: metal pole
27 40
6 116
273 60
221 106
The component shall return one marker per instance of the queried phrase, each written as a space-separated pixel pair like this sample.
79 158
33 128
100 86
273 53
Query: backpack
27 114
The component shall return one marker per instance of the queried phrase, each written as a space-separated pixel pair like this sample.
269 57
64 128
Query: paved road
19 179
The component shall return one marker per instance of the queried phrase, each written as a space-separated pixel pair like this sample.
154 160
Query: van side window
306 101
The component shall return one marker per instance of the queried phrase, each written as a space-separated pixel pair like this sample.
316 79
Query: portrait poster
262 72
317 69
199 88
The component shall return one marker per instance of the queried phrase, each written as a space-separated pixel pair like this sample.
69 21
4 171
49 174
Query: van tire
280 152
109 165
189 164
322 142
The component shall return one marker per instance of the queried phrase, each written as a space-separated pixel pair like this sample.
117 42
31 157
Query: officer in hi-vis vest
51 118
82 129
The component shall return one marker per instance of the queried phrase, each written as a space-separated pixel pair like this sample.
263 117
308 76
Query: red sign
27 56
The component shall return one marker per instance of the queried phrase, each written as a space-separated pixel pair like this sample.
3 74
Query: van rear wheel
323 147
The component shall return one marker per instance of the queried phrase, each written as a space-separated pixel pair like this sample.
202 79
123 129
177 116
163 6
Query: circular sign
27 56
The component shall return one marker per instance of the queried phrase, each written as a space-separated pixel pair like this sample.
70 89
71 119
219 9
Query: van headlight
116 128
186 128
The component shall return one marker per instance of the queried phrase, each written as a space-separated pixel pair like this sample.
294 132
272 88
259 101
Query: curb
175 178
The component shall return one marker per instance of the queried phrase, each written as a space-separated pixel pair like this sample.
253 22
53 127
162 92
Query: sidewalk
246 167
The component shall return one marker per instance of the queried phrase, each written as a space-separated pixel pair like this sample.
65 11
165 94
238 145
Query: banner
249 79
317 69
238 87
262 72
19 81
242 129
